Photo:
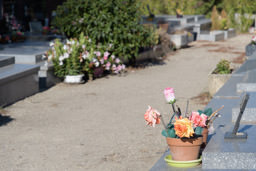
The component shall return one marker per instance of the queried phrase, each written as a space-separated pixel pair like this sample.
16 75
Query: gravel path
99 125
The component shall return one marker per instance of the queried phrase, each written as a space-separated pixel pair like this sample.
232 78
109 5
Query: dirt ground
99 125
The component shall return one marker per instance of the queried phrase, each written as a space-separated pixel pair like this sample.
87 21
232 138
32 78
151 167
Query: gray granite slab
247 66
222 154
17 81
246 87
229 89
26 53
15 71
229 33
6 60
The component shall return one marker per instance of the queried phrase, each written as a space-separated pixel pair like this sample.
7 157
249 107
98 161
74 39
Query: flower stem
165 127
173 108
186 113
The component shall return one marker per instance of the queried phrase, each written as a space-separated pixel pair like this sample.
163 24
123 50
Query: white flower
51 44
61 58
65 47
73 42
50 57
89 40
66 55
61 63
94 60
113 56
110 45
81 20
83 46
85 55
97 64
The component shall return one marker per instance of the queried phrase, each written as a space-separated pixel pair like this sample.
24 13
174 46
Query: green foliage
106 22
223 67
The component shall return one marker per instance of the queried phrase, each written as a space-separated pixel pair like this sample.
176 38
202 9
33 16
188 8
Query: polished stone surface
6 60
17 81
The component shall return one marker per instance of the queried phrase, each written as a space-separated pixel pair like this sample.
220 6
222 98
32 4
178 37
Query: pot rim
184 142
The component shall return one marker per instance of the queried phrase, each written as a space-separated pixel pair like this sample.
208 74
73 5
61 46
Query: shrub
223 67
113 22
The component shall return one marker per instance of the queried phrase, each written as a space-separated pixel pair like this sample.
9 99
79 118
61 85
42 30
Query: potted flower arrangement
219 76
185 133
76 57
251 48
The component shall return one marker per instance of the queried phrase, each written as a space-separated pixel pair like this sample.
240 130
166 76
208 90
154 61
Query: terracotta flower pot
184 149
205 135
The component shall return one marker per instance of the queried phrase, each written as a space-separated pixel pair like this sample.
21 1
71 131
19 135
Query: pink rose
198 120
169 95
152 116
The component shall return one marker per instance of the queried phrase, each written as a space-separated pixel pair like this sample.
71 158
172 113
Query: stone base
216 81
17 82
47 77
229 33
180 40
213 36
250 49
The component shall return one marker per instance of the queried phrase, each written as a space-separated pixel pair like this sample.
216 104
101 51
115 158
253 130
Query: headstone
35 27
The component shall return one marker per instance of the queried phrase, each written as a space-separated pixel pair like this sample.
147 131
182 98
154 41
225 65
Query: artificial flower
198 120
152 116
169 95
183 128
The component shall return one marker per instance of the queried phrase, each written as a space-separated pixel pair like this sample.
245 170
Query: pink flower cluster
198 120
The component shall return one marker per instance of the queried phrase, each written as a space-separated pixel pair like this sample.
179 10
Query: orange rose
183 128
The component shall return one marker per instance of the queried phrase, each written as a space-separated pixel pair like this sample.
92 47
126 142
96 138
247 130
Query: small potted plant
251 48
67 61
77 57
184 132
219 76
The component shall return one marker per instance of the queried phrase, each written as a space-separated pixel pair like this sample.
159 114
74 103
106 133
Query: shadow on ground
4 119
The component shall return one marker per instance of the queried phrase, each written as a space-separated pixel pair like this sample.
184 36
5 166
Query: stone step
6 60
18 81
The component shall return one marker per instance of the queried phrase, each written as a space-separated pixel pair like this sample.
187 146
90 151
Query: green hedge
113 22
